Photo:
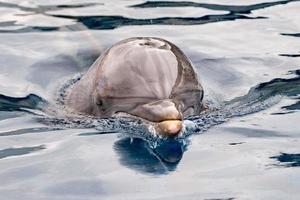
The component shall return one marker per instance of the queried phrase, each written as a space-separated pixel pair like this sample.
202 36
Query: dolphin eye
100 102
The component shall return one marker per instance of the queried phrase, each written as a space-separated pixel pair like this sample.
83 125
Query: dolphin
144 77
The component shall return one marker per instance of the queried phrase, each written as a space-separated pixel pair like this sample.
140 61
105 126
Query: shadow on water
136 154
287 160
20 151
99 22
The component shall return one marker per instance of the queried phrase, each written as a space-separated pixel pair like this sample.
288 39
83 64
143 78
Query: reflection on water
136 154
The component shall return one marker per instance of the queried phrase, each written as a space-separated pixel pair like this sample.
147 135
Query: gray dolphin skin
145 77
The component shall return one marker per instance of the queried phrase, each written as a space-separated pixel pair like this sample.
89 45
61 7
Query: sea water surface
247 55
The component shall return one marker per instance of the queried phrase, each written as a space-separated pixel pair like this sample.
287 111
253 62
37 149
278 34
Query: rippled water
246 147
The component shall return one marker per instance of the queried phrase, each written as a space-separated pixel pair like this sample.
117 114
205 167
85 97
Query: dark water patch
290 55
29 130
45 8
288 87
112 22
291 34
288 160
245 9
170 150
20 151
31 101
279 86
236 143
136 154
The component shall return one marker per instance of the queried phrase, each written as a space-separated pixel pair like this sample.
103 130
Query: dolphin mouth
167 128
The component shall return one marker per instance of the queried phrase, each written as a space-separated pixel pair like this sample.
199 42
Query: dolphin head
148 78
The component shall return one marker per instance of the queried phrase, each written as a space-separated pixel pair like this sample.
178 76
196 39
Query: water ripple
112 22
245 9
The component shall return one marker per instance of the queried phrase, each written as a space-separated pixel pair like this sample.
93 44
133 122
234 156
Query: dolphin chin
149 78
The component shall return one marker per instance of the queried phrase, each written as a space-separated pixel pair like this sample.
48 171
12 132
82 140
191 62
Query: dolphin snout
164 113
170 128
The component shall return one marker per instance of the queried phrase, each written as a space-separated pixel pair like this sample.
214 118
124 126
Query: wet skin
148 78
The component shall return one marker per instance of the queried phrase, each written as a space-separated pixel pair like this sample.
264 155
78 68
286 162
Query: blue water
246 146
